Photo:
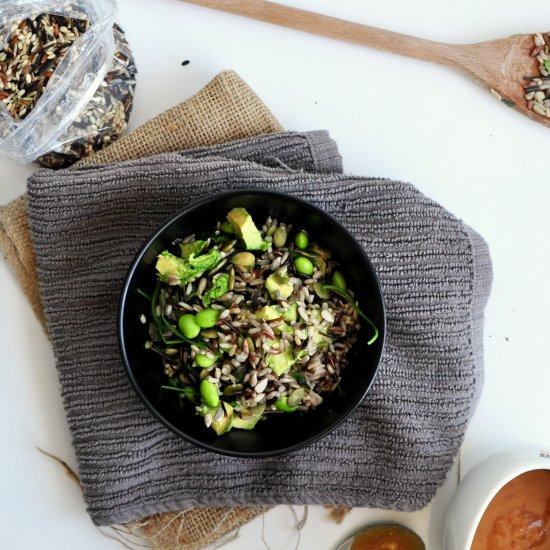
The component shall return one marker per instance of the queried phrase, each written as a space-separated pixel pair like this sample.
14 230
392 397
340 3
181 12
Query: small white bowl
481 484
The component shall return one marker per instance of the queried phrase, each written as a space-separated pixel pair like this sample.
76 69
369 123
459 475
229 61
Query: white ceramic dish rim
469 504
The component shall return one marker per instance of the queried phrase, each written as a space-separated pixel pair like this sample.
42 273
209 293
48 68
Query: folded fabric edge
482 272
324 151
481 289
176 505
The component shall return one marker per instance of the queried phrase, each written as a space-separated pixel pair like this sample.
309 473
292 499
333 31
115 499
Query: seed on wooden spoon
498 65
537 88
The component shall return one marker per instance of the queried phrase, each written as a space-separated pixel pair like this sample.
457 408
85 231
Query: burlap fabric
223 110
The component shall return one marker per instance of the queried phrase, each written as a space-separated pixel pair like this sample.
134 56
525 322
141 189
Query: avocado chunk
295 397
250 420
245 229
283 327
291 314
282 405
225 424
321 340
279 286
268 313
174 270
169 265
280 363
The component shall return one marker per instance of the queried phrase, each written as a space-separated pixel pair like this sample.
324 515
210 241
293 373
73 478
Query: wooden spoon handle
295 18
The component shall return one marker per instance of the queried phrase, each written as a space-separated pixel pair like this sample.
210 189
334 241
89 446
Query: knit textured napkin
393 452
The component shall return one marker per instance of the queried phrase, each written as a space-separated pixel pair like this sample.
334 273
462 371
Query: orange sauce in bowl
387 537
518 517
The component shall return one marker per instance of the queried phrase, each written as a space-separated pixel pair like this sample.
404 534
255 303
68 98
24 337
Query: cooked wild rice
319 336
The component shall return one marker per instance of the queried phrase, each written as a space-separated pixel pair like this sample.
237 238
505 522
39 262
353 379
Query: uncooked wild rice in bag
67 79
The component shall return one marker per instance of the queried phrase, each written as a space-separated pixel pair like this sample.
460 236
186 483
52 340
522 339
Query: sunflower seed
219 415
261 385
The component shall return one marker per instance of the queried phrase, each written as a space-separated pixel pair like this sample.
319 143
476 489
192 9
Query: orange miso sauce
518 517
387 537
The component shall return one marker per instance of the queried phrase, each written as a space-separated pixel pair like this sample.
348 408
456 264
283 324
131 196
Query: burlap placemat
225 109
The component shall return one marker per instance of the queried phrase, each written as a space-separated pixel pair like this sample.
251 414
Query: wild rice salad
251 321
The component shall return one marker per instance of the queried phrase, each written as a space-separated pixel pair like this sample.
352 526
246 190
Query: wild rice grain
253 379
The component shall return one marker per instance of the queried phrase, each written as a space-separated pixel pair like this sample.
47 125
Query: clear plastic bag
73 83
105 117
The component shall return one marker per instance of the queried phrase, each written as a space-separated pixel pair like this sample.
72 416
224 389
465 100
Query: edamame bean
207 318
205 361
338 281
188 326
279 237
301 240
282 405
209 393
303 265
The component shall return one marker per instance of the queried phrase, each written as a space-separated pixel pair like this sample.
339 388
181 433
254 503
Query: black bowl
279 433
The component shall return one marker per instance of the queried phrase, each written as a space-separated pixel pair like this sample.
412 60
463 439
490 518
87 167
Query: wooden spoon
499 65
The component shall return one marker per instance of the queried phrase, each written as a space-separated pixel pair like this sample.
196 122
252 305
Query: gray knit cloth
396 449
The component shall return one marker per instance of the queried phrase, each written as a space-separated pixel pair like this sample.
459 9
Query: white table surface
391 117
